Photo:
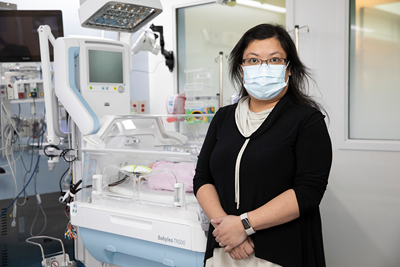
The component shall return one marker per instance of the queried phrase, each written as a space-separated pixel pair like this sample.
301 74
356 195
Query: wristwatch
246 224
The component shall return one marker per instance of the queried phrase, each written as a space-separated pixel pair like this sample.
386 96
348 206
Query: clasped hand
230 234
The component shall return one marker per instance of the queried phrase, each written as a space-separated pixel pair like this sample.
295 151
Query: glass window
374 94
203 31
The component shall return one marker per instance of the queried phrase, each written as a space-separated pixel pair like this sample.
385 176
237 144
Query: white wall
361 208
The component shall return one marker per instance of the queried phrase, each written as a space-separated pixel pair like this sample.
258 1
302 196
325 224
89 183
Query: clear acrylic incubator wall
144 161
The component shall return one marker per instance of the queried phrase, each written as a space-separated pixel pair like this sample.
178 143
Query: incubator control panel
108 88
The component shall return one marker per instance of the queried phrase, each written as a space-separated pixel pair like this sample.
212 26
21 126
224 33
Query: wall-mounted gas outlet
142 107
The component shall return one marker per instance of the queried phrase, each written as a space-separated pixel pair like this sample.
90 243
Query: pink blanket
184 172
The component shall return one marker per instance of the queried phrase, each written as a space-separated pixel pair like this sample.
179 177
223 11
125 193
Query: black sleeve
203 174
313 162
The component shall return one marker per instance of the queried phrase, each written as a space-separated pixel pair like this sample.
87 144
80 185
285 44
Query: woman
265 161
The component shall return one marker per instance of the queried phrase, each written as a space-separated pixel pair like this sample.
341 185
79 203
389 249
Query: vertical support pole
221 89
296 37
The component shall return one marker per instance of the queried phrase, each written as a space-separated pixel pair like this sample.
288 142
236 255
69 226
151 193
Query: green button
91 88
34 89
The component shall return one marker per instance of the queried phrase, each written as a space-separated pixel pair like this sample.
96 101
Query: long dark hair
300 74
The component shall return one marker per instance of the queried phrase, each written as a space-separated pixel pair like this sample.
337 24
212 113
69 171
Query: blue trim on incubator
73 52
131 252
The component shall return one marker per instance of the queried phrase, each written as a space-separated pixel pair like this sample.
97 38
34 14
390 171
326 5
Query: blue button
107 87
102 88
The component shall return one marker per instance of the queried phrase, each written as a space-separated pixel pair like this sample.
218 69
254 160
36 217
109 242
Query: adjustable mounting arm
169 55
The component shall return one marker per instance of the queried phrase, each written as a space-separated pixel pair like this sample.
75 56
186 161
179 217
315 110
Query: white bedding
145 193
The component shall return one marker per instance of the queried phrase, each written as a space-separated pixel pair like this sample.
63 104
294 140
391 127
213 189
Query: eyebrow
255 54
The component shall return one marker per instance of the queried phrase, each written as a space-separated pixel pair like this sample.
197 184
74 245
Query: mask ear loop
285 70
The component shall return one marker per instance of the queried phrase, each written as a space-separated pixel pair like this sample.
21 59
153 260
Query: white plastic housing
88 102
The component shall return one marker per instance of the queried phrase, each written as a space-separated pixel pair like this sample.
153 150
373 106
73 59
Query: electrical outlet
142 109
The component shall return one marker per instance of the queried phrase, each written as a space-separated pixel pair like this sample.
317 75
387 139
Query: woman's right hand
243 250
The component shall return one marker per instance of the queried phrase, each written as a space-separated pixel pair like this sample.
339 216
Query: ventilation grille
3 224
4 258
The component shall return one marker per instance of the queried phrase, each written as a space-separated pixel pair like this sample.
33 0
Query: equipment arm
44 36
169 55
148 42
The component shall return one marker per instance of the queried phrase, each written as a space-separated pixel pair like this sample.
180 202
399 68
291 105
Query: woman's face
267 49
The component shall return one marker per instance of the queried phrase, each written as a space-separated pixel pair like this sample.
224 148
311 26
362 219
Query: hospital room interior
105 106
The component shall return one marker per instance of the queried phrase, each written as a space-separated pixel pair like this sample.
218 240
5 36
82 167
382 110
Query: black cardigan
291 149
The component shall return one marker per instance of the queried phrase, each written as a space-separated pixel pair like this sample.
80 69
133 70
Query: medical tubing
15 199
104 169
15 188
22 160
15 160
37 209
14 214
109 166
34 105
62 176
34 220
149 72
25 193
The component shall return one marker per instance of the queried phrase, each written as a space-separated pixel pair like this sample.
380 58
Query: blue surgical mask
264 82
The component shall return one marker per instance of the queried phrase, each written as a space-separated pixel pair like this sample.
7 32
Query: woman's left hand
230 232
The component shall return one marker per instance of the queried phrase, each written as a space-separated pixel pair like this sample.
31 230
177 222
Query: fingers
248 245
248 248
251 242
228 249
239 253
217 220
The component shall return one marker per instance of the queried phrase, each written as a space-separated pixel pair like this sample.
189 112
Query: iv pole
296 35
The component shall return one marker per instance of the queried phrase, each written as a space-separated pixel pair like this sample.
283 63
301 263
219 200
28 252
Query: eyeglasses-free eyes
271 61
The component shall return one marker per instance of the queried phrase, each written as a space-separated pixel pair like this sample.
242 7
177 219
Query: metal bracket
131 140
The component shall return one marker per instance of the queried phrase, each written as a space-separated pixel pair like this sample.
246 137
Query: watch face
246 224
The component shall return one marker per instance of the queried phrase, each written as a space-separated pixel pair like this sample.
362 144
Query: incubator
137 206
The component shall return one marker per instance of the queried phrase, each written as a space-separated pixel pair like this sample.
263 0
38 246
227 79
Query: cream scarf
247 122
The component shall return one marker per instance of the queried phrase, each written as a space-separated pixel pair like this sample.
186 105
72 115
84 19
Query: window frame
175 33
345 141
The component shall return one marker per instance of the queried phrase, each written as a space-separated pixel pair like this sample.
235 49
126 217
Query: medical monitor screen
105 67
19 39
